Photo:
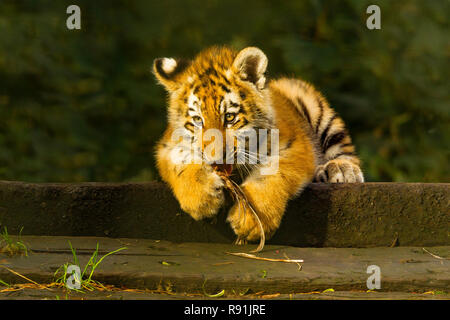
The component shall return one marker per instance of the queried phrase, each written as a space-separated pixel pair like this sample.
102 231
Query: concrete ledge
191 266
328 215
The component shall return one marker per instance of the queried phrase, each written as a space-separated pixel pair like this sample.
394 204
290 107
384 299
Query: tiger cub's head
219 89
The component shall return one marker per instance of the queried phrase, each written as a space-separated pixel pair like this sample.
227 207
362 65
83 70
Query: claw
239 241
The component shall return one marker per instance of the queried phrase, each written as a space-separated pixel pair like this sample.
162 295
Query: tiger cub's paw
339 170
243 224
203 198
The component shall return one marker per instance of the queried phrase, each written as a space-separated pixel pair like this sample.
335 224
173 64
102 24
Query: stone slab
201 267
324 215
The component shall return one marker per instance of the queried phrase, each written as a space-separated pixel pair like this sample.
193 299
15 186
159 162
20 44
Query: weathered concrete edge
198 266
337 215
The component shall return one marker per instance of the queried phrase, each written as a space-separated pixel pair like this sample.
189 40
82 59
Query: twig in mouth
240 197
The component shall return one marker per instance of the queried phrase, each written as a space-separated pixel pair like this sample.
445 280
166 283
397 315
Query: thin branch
299 265
22 276
434 256
252 256
240 196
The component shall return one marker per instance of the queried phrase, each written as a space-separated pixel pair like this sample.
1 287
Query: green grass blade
74 255
101 259
91 262
4 283
24 247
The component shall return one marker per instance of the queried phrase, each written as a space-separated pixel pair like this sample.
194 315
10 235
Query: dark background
82 105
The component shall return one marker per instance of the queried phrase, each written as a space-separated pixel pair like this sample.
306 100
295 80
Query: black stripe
239 111
211 71
319 120
225 88
304 110
226 80
159 69
334 139
189 126
196 89
245 123
344 154
325 132
181 65
290 142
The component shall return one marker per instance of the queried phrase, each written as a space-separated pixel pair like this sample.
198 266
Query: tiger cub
227 91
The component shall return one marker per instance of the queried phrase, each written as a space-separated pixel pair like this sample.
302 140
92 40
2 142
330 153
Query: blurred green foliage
82 105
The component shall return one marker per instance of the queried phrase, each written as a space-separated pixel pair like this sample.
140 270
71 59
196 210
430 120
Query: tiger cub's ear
168 71
250 64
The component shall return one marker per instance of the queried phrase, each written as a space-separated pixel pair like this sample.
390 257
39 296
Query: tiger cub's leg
197 187
339 160
269 194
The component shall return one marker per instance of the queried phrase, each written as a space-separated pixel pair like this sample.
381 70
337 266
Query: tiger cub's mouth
224 168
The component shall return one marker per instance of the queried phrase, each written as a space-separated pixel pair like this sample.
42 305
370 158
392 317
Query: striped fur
332 140
224 89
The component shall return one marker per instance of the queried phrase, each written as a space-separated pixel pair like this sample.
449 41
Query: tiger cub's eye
230 117
198 120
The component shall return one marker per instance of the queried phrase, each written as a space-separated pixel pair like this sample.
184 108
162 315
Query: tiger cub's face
220 90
